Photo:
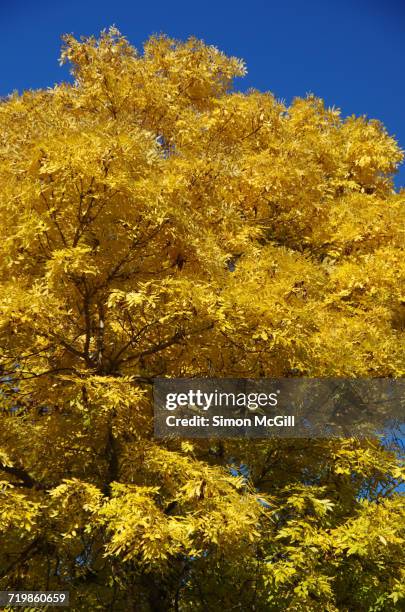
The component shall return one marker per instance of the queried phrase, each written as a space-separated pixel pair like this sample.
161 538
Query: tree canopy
155 222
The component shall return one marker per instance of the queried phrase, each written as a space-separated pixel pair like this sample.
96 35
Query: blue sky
349 52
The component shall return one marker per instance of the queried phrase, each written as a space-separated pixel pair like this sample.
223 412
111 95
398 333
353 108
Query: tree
153 222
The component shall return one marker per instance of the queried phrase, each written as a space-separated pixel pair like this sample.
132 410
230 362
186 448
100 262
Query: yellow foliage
154 222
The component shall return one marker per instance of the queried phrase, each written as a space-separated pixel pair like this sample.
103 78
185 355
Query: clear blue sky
349 52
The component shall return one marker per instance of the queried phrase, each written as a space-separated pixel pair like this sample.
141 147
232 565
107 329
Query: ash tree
155 222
